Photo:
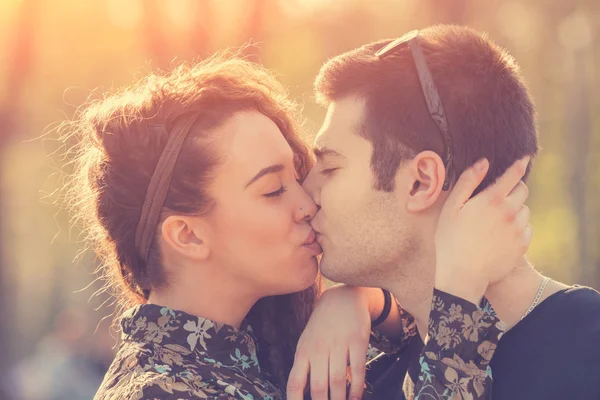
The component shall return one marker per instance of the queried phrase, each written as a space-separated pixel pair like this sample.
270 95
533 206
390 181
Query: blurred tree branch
449 12
201 39
254 28
153 38
579 131
20 62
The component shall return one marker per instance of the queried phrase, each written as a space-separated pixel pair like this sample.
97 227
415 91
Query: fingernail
480 165
525 161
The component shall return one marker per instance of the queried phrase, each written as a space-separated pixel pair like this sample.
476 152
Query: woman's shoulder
148 371
573 300
141 371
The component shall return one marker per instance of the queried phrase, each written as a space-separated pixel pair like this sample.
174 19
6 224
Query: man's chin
330 270
342 271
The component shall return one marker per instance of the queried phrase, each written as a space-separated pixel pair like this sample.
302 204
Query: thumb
467 183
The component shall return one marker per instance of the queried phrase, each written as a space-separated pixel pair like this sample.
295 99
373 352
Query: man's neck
512 296
414 293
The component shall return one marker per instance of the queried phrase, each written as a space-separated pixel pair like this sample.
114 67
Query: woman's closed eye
328 171
276 193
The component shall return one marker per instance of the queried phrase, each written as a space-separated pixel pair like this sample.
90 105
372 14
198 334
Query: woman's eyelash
276 193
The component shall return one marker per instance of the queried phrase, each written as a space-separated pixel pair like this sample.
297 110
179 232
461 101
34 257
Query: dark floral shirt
454 363
167 354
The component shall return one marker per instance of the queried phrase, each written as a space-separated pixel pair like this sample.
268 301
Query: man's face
366 234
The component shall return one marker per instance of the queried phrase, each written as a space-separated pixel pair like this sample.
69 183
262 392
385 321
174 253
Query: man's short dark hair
489 111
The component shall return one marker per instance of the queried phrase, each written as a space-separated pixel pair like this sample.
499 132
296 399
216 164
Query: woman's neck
512 296
212 296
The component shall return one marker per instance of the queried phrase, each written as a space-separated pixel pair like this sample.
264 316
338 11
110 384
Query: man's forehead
343 118
321 139
327 141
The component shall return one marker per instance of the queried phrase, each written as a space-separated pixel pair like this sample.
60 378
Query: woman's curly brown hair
116 151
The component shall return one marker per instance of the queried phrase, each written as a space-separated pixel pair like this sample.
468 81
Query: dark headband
430 92
159 184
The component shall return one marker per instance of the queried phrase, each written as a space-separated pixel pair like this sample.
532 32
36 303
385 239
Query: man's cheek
342 206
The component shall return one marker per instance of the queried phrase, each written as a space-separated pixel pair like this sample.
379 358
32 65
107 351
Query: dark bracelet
387 306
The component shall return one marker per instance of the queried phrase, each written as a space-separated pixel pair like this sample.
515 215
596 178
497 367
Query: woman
189 187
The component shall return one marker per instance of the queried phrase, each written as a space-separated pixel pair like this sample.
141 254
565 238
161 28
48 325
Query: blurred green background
54 54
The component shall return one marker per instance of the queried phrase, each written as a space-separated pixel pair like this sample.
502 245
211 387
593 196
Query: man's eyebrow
265 171
322 151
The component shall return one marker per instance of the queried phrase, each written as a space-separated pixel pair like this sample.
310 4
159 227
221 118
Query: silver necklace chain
537 297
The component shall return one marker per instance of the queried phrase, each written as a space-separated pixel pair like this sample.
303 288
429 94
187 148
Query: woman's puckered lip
310 239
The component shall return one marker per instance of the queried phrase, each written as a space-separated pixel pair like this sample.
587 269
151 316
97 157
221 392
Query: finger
509 179
319 375
518 195
467 183
512 204
525 230
298 376
338 360
358 361
527 236
522 218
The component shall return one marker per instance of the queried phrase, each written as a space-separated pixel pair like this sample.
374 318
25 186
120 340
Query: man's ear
186 235
426 174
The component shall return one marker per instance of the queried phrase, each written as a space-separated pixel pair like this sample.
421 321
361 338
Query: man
404 119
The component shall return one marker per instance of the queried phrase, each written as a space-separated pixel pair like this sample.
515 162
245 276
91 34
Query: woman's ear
186 235
426 178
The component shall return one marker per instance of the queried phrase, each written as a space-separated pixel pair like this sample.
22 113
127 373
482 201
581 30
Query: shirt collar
213 343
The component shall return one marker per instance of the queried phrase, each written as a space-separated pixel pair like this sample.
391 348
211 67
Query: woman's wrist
458 285
374 299
385 312
371 298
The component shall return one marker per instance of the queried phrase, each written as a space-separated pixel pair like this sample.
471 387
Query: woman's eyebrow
272 169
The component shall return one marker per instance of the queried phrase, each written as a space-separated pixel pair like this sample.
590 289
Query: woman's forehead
251 141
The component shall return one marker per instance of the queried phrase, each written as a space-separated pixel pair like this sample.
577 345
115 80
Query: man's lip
310 239
319 237
316 230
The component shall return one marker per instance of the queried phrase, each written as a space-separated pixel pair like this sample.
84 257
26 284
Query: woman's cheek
271 223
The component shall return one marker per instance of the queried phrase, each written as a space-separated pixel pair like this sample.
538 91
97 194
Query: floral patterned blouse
454 363
168 354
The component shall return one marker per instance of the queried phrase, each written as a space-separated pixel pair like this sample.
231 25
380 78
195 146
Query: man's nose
311 186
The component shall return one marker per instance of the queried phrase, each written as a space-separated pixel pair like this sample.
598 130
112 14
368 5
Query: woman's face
259 226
